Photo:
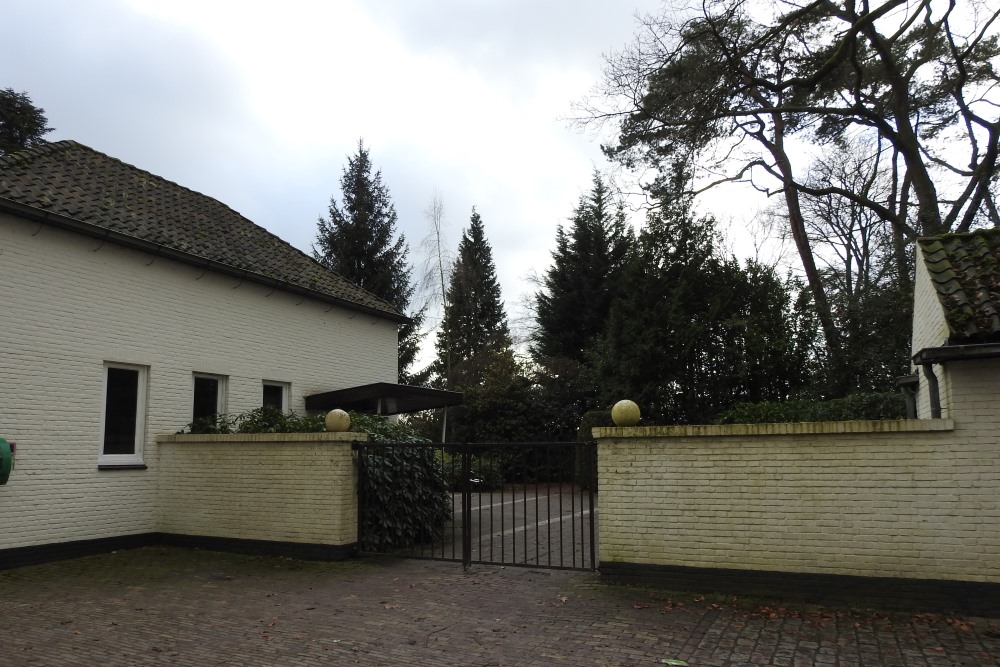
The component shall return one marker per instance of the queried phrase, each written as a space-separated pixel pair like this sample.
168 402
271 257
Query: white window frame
286 392
222 391
136 458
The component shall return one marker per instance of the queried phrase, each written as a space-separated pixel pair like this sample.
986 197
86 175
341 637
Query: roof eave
159 250
940 355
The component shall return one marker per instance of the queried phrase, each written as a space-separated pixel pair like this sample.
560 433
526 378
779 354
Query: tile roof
965 272
72 181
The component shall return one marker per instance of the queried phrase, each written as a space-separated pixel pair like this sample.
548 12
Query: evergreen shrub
402 491
593 419
266 419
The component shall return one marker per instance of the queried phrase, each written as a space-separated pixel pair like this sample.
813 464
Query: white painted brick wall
930 329
69 303
892 502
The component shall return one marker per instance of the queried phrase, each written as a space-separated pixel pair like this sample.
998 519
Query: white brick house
128 305
956 328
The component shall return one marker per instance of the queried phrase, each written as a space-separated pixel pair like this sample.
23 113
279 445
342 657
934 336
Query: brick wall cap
237 438
796 428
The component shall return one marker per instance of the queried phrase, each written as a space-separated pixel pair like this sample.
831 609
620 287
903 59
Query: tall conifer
22 124
584 277
359 241
475 323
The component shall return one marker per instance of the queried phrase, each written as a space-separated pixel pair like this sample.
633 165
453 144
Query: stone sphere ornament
625 413
337 421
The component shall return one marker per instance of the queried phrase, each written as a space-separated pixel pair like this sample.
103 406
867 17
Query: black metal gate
526 504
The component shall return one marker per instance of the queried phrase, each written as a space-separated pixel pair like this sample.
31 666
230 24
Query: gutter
940 355
160 250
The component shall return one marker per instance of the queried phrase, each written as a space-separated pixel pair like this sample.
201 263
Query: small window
209 396
123 425
275 395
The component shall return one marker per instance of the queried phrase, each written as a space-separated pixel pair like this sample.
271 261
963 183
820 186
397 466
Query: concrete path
163 606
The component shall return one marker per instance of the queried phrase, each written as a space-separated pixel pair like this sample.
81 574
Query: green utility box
6 460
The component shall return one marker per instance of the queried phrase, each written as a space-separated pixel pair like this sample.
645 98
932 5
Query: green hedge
889 405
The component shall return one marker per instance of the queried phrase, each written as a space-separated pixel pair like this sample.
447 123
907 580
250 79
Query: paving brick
167 606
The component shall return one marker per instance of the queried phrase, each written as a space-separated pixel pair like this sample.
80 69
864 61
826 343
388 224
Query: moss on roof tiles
965 272
72 180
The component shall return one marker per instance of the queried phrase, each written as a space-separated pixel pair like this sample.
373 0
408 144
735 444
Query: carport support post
466 507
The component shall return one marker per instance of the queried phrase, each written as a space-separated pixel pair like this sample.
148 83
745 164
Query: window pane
121 411
274 396
206 397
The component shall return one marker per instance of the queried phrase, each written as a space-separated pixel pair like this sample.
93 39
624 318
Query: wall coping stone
790 428
322 436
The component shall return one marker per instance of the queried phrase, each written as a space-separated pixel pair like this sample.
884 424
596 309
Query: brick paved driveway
163 606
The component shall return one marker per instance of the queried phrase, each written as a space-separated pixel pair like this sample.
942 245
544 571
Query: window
209 396
275 395
123 425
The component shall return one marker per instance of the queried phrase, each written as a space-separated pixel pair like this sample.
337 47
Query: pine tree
359 242
474 320
22 124
584 277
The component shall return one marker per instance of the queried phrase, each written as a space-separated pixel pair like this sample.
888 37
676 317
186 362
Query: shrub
592 419
888 405
266 419
402 491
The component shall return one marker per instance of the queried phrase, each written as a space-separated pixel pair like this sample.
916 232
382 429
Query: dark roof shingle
965 272
73 181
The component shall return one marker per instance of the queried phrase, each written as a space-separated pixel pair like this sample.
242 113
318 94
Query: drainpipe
932 388
908 387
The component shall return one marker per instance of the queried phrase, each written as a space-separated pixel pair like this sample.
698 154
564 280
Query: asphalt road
544 525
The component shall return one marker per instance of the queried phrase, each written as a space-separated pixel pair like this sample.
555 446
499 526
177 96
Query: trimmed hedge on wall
889 405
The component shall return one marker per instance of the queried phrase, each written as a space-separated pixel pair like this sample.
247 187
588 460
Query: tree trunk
796 221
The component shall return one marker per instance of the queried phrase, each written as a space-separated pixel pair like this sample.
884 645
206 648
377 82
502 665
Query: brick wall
70 303
914 499
281 487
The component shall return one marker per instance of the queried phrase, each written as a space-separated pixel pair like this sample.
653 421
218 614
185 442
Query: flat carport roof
384 398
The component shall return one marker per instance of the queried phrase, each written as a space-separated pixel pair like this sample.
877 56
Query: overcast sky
258 104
